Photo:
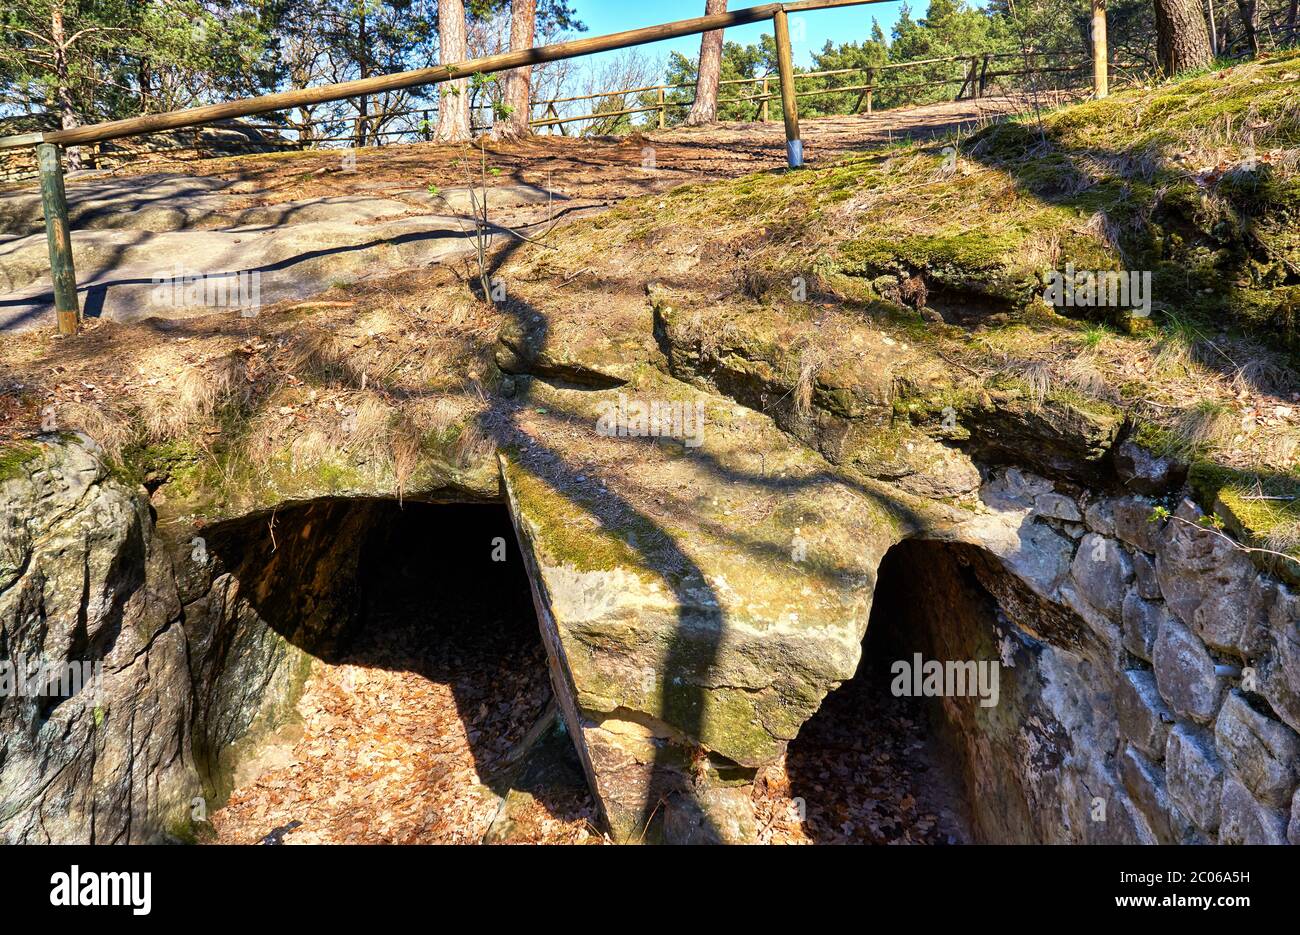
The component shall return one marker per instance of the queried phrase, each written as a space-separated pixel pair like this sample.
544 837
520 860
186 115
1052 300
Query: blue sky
808 31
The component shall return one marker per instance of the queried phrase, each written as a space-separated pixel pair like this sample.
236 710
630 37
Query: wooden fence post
662 120
871 90
764 114
1100 76
789 108
55 202
968 81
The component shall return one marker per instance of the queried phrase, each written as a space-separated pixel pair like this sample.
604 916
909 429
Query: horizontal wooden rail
798 75
285 100
817 92
543 122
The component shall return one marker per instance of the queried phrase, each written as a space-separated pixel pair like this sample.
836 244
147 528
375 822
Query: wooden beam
789 104
302 97
59 234
21 140
1100 76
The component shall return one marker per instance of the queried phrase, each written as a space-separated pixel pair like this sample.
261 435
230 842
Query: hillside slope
713 411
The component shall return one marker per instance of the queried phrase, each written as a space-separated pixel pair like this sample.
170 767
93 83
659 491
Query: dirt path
302 222
589 169
408 732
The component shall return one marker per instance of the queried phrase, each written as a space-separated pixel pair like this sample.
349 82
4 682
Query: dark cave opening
419 622
881 762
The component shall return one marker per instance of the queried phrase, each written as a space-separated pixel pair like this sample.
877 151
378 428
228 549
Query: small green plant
1214 524
1094 336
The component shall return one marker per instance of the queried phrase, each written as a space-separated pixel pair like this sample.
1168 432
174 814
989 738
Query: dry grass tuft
1042 251
472 446
366 429
1107 231
1262 371
311 448
320 354
1037 377
1081 374
1205 426
811 361
707 335
1182 350
109 428
193 398
404 454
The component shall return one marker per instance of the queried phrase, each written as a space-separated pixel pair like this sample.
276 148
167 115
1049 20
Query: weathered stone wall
84 577
1150 679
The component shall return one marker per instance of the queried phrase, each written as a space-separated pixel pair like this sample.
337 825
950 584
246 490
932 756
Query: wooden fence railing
49 144
973 81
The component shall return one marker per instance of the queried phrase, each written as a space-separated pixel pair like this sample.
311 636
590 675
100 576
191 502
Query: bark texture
705 109
1182 38
453 96
523 24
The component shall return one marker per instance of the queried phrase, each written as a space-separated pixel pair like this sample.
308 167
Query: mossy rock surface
719 590
1262 511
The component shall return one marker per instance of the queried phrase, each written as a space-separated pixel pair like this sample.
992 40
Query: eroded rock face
83 578
697 603
1164 735
191 671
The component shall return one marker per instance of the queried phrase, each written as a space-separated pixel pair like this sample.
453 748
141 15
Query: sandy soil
588 170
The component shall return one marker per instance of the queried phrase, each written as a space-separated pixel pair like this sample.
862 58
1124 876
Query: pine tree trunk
68 119
523 23
363 103
1182 40
453 97
1247 10
705 108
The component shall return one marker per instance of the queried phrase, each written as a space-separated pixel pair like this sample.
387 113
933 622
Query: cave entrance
427 716
873 766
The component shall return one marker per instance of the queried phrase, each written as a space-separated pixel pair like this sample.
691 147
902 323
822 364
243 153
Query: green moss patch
13 457
1262 510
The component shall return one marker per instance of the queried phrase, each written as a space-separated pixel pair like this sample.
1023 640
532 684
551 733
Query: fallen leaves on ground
399 747
863 770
